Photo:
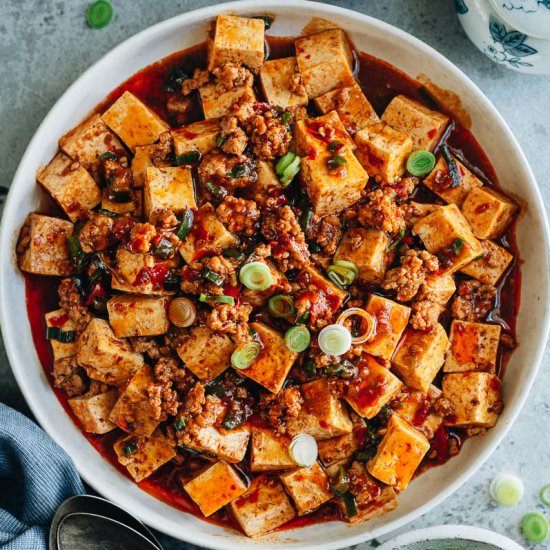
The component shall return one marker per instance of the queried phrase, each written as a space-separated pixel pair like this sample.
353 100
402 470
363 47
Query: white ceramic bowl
381 40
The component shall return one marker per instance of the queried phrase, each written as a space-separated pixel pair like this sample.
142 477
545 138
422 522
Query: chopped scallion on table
535 527
99 14
545 495
506 489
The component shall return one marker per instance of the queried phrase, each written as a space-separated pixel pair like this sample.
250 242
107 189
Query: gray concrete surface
45 45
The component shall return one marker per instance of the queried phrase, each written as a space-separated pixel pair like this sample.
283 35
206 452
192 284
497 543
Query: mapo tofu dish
276 281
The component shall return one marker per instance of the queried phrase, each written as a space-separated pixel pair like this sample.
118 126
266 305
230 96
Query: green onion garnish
267 20
233 419
245 355
285 118
64 336
281 306
344 369
336 161
420 163
220 140
535 527
255 276
334 146
349 503
397 241
452 166
334 340
284 162
130 448
287 167
506 490
210 299
457 246
302 319
341 486
297 338
545 495
179 423
185 225
342 272
212 276
108 155
164 249
120 197
217 192
78 257
309 368
99 14
240 171
306 221
188 158
235 253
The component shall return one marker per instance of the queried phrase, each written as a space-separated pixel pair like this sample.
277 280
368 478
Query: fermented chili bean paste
276 280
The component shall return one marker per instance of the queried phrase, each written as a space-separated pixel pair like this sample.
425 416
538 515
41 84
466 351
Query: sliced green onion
281 306
303 449
342 272
99 14
240 171
220 140
108 155
179 423
506 489
297 338
349 503
306 221
188 158
77 255
285 118
341 486
309 368
535 527
336 161
130 448
246 353
334 340
64 336
164 249
120 197
290 172
212 276
256 276
457 246
334 146
545 495
452 166
284 162
185 225
217 192
235 253
209 299
106 212
233 419
344 369
420 163
397 241
302 319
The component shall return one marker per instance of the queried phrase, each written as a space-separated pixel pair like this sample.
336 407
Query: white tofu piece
138 316
476 398
423 125
366 248
267 182
337 450
391 320
274 362
237 40
437 288
105 357
133 207
325 61
93 411
446 234
308 488
60 319
269 451
263 507
199 136
420 356
488 212
142 159
490 268
217 486
474 347
206 353
275 79
399 454
150 454
70 185
228 445
133 122
217 101
168 189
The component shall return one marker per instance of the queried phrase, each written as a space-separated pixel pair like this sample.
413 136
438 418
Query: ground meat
276 410
443 407
141 236
382 211
239 215
362 486
315 302
177 105
425 314
221 169
224 267
280 226
230 75
508 341
327 232
295 84
193 282
473 301
96 234
24 238
161 151
269 137
230 319
144 344
407 279
415 211
200 77
69 376
70 301
118 176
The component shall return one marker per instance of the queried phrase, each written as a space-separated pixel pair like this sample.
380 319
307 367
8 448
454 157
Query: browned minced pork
118 174
230 318
141 236
148 345
24 237
177 105
270 138
327 232
407 279
162 149
69 300
276 410
295 83
425 314
362 486
314 301
382 211
230 75
220 169
443 407
96 234
69 376
239 215
200 77
193 281
473 300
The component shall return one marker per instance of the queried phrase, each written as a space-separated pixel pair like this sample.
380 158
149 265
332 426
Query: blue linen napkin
36 476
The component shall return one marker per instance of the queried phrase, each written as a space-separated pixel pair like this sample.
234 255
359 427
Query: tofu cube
383 151
138 316
419 210
258 298
488 212
133 122
366 248
352 107
93 411
228 445
60 319
142 159
325 61
275 79
131 411
311 277
333 190
217 486
134 206
237 40
474 347
217 101
87 141
269 451
207 234
446 234
104 356
437 289
150 454
372 388
322 415
266 184
200 136
264 507
274 362
337 451
168 189
308 488
490 268
476 398
42 246
73 188
391 320
439 181
424 126
206 353
399 454
420 356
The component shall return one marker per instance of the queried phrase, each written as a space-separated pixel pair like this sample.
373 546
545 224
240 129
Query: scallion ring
420 163
256 276
368 324
334 340
287 167
342 272
303 449
284 162
545 495
185 224
281 306
182 312
212 276
245 355
506 489
209 299
297 339
535 527
99 14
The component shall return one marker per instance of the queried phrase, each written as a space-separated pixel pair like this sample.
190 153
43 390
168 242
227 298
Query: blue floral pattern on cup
461 7
508 47
528 6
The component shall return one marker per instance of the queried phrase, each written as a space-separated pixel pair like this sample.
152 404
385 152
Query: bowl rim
7 238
